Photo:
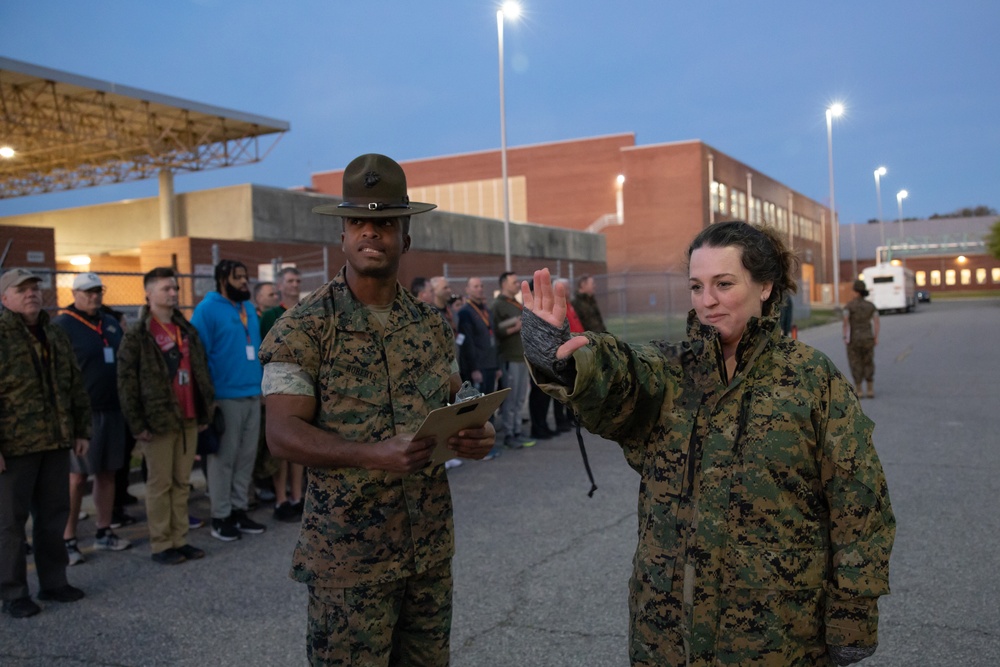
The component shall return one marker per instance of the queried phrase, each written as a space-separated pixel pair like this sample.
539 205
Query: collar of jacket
352 315
176 317
759 331
11 320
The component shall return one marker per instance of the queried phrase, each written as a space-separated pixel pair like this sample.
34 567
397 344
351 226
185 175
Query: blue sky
920 81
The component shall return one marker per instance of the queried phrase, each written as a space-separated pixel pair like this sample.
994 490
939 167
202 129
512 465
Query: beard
236 294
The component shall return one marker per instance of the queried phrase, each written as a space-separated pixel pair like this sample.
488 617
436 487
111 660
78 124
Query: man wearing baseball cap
96 337
350 372
44 411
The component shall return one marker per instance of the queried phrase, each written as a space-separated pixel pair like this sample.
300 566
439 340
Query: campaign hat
374 187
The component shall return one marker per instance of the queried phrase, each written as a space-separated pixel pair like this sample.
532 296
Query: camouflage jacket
144 386
370 385
764 519
41 408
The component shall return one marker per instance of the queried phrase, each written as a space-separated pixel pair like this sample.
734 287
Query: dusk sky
920 82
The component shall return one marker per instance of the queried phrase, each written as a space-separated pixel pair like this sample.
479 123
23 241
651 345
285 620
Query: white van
891 287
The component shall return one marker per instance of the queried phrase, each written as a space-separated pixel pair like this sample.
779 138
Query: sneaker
287 513
225 530
189 552
73 551
20 608
452 463
513 443
194 523
83 515
65 593
245 524
169 557
111 542
495 452
264 494
120 519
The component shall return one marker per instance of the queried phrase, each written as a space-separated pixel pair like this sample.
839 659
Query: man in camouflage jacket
764 520
166 404
44 410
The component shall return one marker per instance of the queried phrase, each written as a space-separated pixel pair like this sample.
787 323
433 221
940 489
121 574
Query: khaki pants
402 622
169 458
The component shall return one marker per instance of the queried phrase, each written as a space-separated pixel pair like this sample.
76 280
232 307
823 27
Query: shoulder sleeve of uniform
298 337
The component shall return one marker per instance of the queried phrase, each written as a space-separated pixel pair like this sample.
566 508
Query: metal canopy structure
69 132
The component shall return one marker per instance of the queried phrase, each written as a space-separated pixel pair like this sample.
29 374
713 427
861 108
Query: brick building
647 201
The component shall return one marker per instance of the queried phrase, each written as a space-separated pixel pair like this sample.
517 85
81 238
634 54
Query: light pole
879 173
900 196
512 10
834 110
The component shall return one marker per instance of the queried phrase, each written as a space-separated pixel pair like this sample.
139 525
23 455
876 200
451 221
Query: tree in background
992 240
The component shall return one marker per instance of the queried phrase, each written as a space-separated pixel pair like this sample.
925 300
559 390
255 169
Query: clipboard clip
467 392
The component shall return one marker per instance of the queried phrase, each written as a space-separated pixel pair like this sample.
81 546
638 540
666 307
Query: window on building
949 277
980 276
996 274
795 224
783 220
723 198
758 211
714 189
935 278
921 277
743 206
966 276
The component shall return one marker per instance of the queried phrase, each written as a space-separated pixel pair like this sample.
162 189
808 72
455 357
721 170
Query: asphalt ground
541 570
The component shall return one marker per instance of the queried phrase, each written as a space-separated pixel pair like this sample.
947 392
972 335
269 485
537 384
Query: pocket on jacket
772 606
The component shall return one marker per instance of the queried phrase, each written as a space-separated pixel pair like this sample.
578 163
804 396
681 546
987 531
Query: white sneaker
452 463
111 542
75 557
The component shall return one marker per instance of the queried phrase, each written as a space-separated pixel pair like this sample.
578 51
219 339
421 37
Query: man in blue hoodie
228 326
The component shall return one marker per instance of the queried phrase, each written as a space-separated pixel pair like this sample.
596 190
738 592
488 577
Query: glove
541 340
848 655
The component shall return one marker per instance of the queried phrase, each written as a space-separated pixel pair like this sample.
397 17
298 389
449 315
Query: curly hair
762 253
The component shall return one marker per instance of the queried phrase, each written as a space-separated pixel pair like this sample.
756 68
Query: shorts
107 445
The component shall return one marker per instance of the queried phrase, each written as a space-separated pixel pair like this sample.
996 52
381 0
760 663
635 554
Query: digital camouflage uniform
360 531
764 519
861 344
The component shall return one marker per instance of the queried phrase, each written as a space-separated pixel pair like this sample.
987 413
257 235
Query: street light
834 110
511 10
879 173
900 196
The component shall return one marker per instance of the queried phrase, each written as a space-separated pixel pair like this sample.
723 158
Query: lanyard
243 319
512 301
99 329
171 330
482 315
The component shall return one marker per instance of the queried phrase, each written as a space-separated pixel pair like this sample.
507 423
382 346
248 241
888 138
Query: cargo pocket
771 606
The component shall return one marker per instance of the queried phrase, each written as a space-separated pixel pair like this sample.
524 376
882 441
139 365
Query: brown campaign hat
374 187
16 277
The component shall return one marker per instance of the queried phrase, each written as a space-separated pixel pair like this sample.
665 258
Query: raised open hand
549 304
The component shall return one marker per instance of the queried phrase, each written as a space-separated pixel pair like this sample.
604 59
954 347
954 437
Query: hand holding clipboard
446 422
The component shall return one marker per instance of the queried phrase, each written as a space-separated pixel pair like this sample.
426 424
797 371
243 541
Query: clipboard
445 422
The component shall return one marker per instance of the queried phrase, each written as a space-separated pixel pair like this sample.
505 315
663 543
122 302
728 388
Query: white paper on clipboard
445 422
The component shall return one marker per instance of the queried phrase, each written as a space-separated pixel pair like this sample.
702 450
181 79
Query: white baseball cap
86 281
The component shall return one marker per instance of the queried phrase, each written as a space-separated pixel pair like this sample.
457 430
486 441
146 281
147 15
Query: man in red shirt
166 394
